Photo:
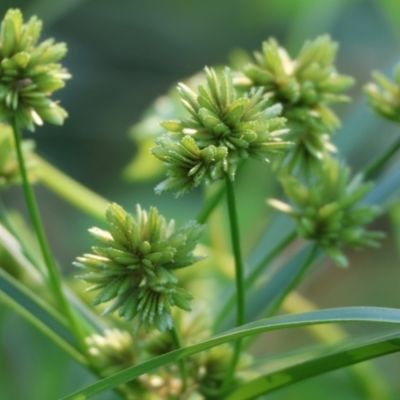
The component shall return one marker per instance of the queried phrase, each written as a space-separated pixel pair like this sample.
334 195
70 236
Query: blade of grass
353 354
342 315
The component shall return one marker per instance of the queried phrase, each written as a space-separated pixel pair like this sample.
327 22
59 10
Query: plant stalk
370 170
182 362
239 278
294 282
254 275
54 277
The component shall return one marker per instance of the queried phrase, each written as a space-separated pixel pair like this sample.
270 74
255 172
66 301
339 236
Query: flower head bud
305 86
384 95
29 73
222 130
134 265
112 352
327 210
9 169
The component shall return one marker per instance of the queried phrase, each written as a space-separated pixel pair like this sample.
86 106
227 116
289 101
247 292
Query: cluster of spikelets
328 212
29 73
134 265
9 169
222 130
305 86
384 95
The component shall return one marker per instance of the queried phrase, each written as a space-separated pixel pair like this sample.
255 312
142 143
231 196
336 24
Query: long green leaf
350 314
379 345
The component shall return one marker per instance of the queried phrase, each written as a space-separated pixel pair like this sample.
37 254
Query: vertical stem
254 274
293 283
370 170
54 277
239 270
182 362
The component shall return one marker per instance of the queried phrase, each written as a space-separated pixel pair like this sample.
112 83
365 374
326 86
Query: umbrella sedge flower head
305 86
328 211
29 73
134 263
222 130
384 95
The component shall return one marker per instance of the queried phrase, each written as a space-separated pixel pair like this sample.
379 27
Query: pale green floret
29 73
384 95
222 130
134 265
327 210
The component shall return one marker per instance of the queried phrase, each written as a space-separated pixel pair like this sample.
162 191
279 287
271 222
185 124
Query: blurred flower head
384 95
29 73
327 210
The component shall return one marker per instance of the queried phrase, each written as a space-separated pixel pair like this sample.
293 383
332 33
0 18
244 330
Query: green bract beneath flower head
29 73
327 210
384 95
222 130
134 265
305 86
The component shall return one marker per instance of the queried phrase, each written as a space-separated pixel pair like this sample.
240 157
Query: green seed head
29 73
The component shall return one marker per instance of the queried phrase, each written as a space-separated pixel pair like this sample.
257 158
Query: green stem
182 362
44 329
54 277
71 191
249 281
293 283
370 170
235 238
239 278
33 297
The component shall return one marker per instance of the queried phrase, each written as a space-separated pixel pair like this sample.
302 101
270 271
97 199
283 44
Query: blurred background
125 53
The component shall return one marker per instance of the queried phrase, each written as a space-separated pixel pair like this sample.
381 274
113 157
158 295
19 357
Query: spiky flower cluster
222 130
384 95
134 265
327 210
29 73
9 169
305 86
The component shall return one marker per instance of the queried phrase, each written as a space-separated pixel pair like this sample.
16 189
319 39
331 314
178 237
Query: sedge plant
143 332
